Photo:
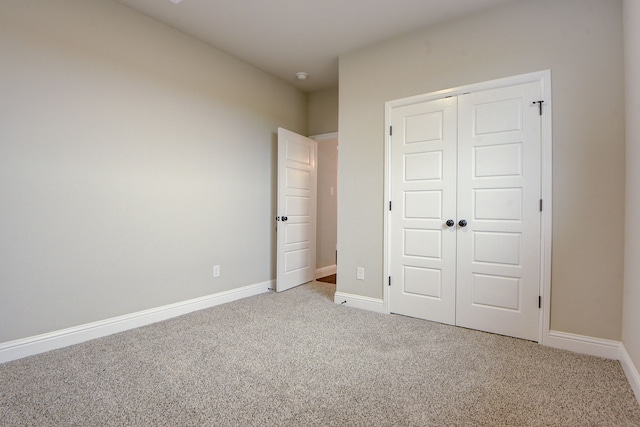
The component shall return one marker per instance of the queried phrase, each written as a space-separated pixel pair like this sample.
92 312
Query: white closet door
474 159
423 181
499 155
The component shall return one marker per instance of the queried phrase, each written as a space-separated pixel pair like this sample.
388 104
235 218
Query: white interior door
465 225
296 211
423 179
499 198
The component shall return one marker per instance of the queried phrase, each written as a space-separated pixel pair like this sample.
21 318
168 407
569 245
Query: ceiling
283 37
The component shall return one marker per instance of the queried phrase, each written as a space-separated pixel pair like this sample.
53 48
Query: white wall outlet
360 273
216 271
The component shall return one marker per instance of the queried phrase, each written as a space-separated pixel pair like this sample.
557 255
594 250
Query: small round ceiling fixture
302 75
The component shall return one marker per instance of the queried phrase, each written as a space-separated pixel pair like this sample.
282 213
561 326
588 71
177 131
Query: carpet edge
24 347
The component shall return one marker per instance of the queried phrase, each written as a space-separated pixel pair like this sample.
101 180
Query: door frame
323 137
544 78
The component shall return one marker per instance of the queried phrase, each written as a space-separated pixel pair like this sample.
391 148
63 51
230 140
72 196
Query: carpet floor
298 359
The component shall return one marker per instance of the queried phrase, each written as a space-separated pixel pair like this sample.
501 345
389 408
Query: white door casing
495 179
296 210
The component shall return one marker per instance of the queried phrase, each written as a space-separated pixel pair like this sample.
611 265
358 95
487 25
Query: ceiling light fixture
302 75
175 1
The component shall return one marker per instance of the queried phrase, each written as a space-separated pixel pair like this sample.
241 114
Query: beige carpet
298 359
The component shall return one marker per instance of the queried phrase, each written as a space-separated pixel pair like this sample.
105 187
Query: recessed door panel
497 116
422 282
299 153
498 160
497 248
297 260
297 206
423 204
498 204
297 233
423 243
496 292
424 127
423 166
298 179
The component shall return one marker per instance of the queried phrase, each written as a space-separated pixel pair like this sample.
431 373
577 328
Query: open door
296 211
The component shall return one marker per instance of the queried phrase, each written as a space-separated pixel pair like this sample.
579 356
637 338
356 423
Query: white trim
546 219
631 371
30 346
599 347
386 231
325 136
358 301
543 76
326 271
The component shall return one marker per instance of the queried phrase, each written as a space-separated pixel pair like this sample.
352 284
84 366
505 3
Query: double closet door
465 220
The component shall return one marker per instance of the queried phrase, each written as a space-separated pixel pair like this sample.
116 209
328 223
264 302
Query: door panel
498 195
494 204
423 187
498 160
296 228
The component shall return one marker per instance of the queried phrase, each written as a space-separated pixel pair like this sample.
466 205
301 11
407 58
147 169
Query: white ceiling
283 37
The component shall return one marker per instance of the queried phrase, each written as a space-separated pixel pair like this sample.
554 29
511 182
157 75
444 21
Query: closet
464 226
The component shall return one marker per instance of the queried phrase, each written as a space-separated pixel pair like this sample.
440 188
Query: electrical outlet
360 273
216 271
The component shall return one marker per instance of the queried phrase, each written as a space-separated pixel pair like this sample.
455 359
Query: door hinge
539 106
389 204
390 130
540 205
389 280
539 301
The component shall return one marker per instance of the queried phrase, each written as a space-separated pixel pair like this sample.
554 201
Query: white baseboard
30 346
599 347
326 271
358 301
630 371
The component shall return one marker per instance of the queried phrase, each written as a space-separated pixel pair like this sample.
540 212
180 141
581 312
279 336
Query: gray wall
581 42
323 111
132 159
631 319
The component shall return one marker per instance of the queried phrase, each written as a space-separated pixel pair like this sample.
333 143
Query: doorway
327 206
